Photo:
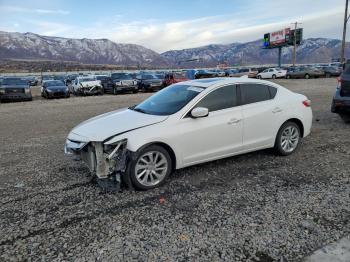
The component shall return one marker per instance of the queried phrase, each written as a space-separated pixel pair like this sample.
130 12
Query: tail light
339 82
307 103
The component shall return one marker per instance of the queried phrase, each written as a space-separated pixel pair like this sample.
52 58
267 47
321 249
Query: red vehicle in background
174 77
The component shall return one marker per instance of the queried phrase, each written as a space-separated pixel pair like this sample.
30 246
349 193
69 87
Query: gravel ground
254 207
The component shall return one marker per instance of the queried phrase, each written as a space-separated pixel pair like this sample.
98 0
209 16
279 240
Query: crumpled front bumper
87 90
103 164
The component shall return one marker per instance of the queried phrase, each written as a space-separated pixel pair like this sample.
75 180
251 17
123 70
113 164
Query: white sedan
272 73
190 123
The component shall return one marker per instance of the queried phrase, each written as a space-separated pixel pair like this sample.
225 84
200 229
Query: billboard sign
280 37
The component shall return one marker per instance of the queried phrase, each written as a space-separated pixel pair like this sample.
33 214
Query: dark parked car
32 80
149 82
304 72
119 83
330 71
70 78
54 89
15 89
341 98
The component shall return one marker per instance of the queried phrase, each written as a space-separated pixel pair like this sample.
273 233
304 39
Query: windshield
54 83
169 100
15 81
86 79
121 76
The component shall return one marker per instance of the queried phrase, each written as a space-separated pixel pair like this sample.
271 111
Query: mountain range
104 51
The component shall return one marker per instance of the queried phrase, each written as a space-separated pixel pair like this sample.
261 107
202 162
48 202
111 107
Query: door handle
277 110
233 121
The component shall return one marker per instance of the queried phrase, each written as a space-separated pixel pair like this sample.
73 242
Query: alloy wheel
290 139
151 168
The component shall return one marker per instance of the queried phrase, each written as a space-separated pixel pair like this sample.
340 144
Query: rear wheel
328 75
259 76
307 76
151 168
273 76
288 138
288 77
345 117
115 92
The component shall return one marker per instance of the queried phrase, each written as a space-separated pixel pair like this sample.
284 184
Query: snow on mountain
94 51
312 50
104 51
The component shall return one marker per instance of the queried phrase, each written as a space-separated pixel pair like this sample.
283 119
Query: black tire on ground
258 76
135 91
273 76
345 117
132 165
288 77
278 142
115 92
328 75
307 76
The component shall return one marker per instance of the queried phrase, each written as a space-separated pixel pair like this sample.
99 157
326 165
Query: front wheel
151 168
307 76
115 92
288 76
288 138
259 76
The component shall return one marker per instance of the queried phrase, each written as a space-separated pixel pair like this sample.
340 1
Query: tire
258 76
345 117
135 91
115 92
285 146
273 76
328 75
288 77
140 166
307 76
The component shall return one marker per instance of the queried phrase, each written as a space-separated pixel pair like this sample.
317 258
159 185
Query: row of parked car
55 86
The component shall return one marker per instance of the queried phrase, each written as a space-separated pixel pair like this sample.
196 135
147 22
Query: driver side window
219 99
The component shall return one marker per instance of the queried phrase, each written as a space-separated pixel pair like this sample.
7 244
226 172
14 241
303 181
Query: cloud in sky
245 21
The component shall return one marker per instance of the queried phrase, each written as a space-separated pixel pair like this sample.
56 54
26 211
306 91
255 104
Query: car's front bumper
98 161
15 97
341 105
57 94
95 90
125 88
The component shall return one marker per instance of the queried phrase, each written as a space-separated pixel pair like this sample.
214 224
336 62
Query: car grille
345 88
59 94
14 90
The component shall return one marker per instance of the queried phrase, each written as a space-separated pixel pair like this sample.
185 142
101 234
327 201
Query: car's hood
56 88
105 126
90 83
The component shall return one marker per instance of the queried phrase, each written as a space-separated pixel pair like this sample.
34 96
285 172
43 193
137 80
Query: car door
217 135
260 115
264 74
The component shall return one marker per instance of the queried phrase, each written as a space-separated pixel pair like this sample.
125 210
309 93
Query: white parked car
190 123
87 85
272 73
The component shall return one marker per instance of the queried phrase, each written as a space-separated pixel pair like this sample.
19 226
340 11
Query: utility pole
346 18
295 42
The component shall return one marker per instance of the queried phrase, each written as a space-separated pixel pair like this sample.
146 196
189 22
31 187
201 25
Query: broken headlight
113 148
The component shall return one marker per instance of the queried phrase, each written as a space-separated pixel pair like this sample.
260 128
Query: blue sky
165 25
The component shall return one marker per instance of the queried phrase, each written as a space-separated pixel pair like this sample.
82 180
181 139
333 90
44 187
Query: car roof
209 82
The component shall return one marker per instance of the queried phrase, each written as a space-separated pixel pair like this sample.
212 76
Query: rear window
253 93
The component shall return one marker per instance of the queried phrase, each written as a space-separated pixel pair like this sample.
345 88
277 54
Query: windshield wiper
138 110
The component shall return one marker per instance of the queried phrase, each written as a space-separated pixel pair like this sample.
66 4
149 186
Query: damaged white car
190 123
87 85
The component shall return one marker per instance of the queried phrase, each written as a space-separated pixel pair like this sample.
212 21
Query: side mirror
199 112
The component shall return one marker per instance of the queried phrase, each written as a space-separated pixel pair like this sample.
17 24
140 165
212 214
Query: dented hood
104 126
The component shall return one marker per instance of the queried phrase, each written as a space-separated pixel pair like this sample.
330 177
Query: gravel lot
254 207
